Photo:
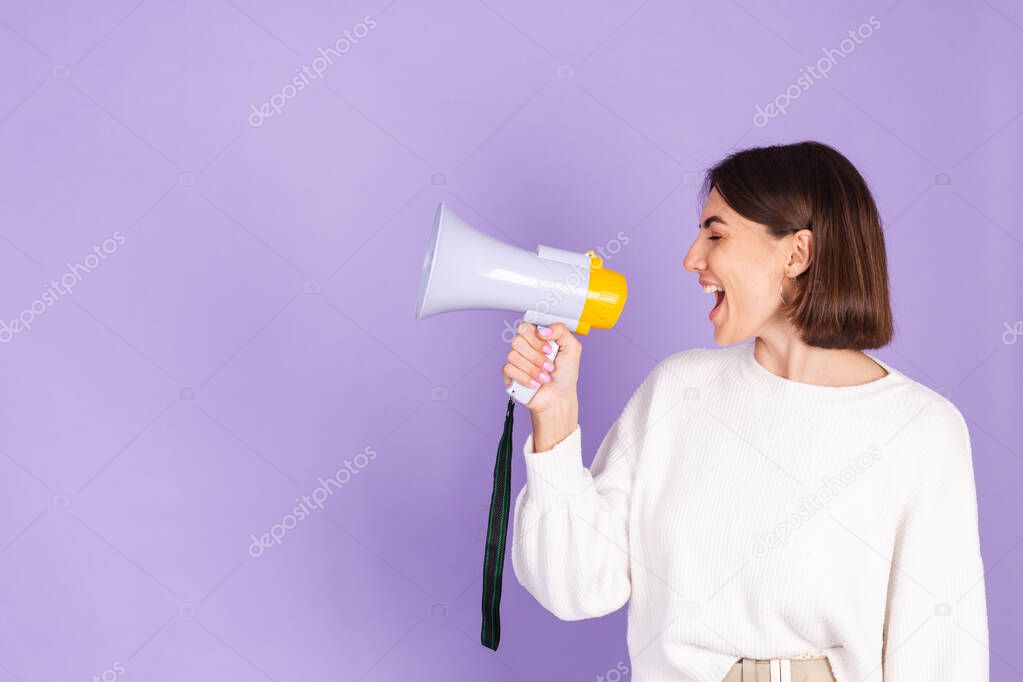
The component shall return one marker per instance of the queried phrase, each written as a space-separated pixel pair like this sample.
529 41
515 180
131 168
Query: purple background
256 327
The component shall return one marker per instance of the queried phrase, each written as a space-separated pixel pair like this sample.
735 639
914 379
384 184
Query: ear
801 253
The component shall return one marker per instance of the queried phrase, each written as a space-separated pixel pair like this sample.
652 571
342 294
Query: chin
720 336
726 337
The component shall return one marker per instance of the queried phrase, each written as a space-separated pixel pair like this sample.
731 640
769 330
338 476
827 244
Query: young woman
786 506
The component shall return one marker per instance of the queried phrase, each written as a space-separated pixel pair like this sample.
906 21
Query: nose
694 260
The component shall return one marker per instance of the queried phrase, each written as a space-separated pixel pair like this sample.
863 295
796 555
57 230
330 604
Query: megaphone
465 269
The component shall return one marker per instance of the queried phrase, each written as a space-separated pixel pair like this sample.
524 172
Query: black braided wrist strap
497 533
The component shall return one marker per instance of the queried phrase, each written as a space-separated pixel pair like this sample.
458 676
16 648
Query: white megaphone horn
465 269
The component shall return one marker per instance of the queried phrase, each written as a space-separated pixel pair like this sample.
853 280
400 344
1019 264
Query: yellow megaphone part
605 297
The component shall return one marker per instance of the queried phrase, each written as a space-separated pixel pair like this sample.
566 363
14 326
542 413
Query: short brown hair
842 299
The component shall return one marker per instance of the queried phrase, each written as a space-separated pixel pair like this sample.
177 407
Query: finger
528 333
518 360
561 335
537 357
515 374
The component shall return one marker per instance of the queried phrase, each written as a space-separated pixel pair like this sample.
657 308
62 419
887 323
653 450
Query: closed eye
712 238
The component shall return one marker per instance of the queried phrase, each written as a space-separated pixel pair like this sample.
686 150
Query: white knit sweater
742 514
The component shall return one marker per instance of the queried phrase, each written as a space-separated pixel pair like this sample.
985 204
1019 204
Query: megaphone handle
523 394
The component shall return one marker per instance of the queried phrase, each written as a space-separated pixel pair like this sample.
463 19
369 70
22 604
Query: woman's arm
936 616
571 539
554 425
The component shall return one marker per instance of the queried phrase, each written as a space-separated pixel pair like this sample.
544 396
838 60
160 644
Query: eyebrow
713 219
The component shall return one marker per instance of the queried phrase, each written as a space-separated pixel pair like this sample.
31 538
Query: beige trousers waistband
780 670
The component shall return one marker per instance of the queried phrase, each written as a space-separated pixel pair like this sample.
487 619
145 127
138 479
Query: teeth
712 288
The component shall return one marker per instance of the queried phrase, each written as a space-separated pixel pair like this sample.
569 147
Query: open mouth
719 302
719 296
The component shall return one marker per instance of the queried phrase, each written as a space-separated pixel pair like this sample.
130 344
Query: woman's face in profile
742 258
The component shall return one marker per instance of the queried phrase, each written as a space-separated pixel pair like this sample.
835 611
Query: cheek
759 292
753 272
754 295
746 277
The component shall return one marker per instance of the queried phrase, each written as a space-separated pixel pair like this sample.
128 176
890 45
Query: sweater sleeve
571 524
936 614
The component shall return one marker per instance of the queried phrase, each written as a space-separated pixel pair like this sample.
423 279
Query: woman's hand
555 406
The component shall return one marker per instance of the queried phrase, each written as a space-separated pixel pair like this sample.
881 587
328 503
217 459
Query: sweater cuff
555 474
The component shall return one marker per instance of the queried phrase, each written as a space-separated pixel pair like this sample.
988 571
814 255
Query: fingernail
544 331
545 377
534 383
549 366
546 348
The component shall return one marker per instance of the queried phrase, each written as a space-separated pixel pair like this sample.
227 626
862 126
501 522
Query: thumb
559 333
